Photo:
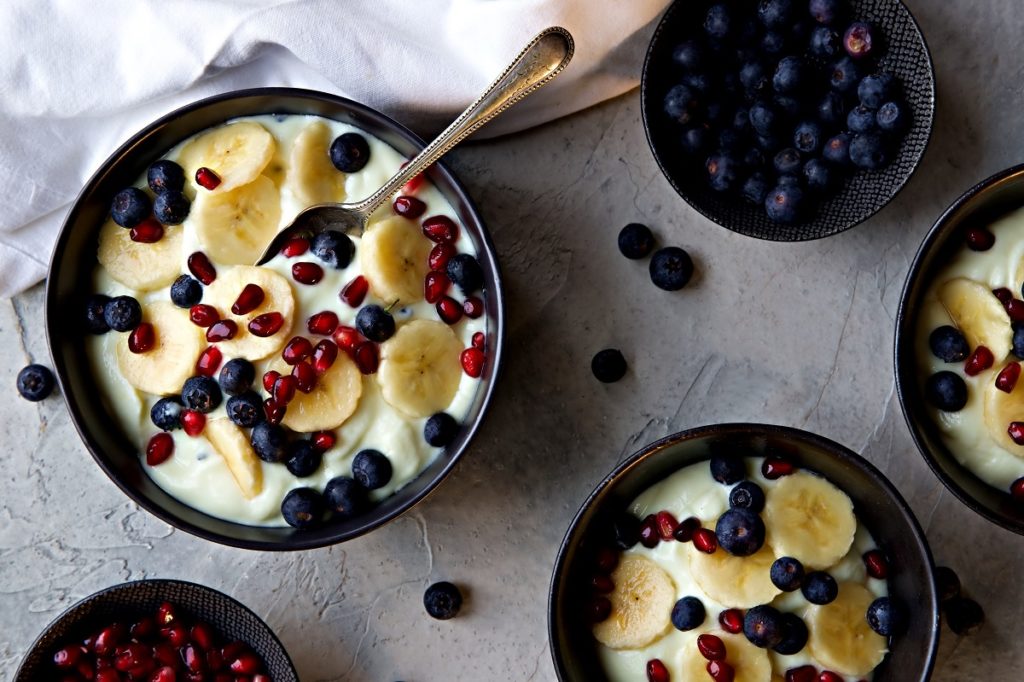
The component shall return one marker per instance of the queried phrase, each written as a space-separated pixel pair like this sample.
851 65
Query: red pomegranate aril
249 300
1015 309
266 324
1017 489
142 338
108 639
441 230
1003 294
473 307
324 355
193 422
649 536
684 532
203 636
449 310
86 671
875 564
203 315
206 178
261 678
472 360
720 671
667 524
159 448
776 467
656 671
607 559
409 207
354 292
323 440
602 584
307 273
144 628
193 659
175 633
829 676
347 338
711 647
246 664
415 182
980 239
367 357
598 609
297 349
305 377
805 673
731 620
224 330
323 323
1007 378
435 285
284 390
268 380
705 540
233 650
208 361
479 341
165 654
978 361
68 656
440 255
1016 432
164 674
132 655
148 231
295 247
214 660
108 675
201 268
273 411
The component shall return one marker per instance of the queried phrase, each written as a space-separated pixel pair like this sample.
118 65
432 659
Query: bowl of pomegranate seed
744 551
157 630
292 404
959 348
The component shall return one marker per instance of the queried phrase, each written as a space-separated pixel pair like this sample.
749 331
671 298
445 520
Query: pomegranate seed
805 673
449 310
86 671
203 315
876 565
201 268
215 661
224 330
108 675
598 609
166 614
1016 431
1003 294
711 647
249 300
731 620
1015 309
829 676
472 360
165 654
776 467
147 232
193 422
473 307
607 559
284 390
164 674
131 656
348 339
367 358
297 349
206 178
108 639
667 524
68 656
705 540
354 292
268 380
266 324
479 341
193 660
142 338
440 255
322 323
246 664
409 207
273 411
323 440
261 678
203 635
656 671
440 229
980 360
231 651
720 671
980 239
649 536
1017 489
295 247
175 633
208 362
307 273
324 355
143 629
435 286
602 584
159 449
305 377
1008 376
686 529
414 183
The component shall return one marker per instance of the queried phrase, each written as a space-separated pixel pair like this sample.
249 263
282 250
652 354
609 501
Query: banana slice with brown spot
393 254
641 605
236 227
140 266
163 368
312 176
236 152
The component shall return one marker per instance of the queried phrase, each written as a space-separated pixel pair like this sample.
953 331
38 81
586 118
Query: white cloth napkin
77 77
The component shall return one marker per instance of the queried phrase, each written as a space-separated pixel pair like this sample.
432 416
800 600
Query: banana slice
809 518
1000 409
978 314
393 254
419 368
840 637
331 402
277 297
236 152
735 581
750 663
233 445
312 176
235 227
641 605
163 368
143 267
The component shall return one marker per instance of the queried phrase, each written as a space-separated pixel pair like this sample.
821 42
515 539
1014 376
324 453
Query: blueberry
741 120
608 365
694 140
122 313
787 106
346 497
372 469
825 42
303 508
755 189
186 291
769 143
699 82
440 429
946 391
788 180
688 613
303 459
714 112
718 21
787 161
807 137
876 89
95 322
689 55
817 176
35 382
625 530
794 635
729 143
635 241
825 11
130 207
867 150
892 117
861 119
333 248
775 14
948 344
789 75
681 104
762 626
763 118
859 40
722 170
753 158
832 109
963 616
747 495
442 601
171 208
269 442
165 176
245 409
947 583
236 376
350 152
837 150
1018 341
819 587
375 323
166 413
671 268
201 394
886 617
787 574
783 204
754 78
845 75
740 532
773 43
728 469
465 270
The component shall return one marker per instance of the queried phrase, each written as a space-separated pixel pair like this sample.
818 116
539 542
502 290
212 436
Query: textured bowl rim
297 541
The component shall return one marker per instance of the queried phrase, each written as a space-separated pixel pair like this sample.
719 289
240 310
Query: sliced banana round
143 267
331 402
311 175
1000 409
393 255
233 445
236 152
235 227
419 368
641 604
750 663
840 637
978 314
809 518
277 297
735 581
163 368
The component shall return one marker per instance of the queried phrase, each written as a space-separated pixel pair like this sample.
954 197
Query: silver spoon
539 62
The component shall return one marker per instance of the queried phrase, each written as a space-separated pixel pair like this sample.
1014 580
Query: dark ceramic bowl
129 601
876 502
982 204
69 283
863 194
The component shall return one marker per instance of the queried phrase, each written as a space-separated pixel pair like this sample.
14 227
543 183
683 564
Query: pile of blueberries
781 100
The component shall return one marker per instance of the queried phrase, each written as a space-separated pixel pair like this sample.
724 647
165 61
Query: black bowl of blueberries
788 119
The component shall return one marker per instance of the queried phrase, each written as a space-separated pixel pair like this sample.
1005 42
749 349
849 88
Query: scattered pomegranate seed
711 647
202 636
307 273
449 310
1017 489
705 540
206 178
159 448
347 338
208 361
980 239
354 292
667 524
731 620
440 229
322 323
147 232
323 440
296 350
203 315
193 422
656 671
68 656
142 338
829 676
1016 431
649 536
435 285
246 664
440 255
175 633
720 671
166 614
232 650
805 673
598 609
367 357
473 307
108 675
776 467
273 411
143 628
978 361
1007 377
284 389
409 207
266 324
324 355
224 330
268 380
602 584
201 268
415 183
132 655
479 341
1015 309
165 654
686 529
193 659
216 662
876 565
295 247
472 360
249 300
1003 294
305 377
108 639
607 559
164 674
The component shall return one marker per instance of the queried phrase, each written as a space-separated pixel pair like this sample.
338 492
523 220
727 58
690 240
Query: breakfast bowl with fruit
295 403
744 552
788 119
